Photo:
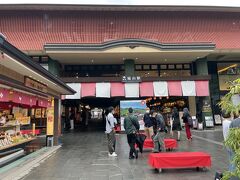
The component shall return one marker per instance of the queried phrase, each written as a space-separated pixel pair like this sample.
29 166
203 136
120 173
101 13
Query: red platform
169 144
37 131
179 160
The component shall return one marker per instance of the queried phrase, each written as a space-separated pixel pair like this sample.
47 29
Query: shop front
161 95
29 100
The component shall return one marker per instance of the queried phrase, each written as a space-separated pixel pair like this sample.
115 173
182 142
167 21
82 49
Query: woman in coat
186 116
176 126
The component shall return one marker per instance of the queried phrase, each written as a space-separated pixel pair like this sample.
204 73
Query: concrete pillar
129 66
54 67
57 120
202 68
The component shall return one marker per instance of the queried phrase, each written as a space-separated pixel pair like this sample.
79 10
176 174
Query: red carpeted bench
37 131
179 160
170 144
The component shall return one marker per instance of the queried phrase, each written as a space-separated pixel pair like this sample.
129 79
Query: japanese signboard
131 79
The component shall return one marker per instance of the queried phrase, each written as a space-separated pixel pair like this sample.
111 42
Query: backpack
190 121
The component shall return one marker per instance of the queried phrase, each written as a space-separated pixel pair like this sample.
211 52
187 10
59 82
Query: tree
233 140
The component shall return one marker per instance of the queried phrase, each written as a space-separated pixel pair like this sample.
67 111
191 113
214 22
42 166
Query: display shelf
9 126
16 144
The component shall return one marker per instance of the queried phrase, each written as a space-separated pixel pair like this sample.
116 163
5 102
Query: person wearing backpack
110 125
131 126
187 119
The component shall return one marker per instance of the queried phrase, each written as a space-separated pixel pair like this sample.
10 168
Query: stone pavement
83 156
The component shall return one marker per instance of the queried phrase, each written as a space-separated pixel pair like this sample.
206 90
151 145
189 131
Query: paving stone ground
83 156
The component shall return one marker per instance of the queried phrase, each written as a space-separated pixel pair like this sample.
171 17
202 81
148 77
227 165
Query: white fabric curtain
131 90
188 88
103 90
76 87
160 88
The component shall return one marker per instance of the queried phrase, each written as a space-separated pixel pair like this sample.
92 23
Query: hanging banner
139 108
50 119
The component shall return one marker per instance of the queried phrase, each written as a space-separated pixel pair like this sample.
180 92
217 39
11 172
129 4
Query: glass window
44 59
171 66
179 66
154 67
173 73
229 68
163 66
186 66
227 72
138 67
146 67
147 73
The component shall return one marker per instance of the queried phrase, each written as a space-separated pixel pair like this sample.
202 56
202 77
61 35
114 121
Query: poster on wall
139 108
50 120
209 121
218 119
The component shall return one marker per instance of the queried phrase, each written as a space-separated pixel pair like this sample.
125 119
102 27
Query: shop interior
89 113
20 124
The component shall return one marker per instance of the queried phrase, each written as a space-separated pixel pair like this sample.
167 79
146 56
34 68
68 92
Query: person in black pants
131 126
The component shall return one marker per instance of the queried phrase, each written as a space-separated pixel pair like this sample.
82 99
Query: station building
167 56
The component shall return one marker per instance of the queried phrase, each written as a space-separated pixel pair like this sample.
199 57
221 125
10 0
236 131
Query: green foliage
233 142
226 102
233 139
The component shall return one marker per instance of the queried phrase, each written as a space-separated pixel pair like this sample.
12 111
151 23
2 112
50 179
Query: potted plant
231 104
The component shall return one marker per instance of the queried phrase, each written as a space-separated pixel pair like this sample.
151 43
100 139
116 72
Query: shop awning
20 98
188 88
103 90
76 87
42 102
4 95
202 88
146 89
143 89
117 90
131 90
160 88
175 88
88 90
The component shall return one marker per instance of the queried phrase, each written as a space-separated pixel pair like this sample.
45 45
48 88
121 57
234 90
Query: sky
228 3
133 104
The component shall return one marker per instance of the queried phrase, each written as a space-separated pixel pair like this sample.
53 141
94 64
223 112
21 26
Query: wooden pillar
57 120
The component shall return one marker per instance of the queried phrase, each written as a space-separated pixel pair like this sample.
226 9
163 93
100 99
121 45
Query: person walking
148 124
158 139
227 119
234 124
186 117
72 118
131 126
176 124
110 125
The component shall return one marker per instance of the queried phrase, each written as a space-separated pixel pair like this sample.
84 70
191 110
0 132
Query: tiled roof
30 30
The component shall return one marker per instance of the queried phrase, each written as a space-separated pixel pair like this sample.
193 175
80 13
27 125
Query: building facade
96 44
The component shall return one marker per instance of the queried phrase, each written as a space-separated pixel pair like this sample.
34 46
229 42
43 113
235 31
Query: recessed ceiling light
136 58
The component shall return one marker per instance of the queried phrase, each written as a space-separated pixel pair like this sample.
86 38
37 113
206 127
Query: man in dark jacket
131 126
158 139
148 124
